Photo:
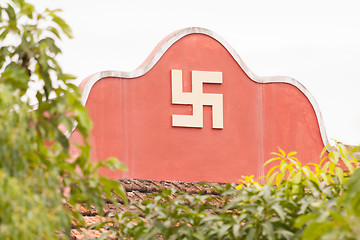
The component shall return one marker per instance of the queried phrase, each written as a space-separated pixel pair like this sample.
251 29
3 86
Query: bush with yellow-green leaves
312 201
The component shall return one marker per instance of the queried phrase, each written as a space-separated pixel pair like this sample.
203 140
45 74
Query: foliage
36 175
245 213
248 181
313 201
337 218
329 167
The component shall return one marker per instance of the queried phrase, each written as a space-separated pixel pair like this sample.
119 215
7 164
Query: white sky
315 42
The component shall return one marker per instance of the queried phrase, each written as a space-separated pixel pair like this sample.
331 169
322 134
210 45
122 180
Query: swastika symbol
197 99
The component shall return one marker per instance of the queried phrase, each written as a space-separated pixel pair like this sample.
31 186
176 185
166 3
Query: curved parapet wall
194 112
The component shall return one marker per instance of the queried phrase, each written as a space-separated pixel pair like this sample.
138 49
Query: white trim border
173 38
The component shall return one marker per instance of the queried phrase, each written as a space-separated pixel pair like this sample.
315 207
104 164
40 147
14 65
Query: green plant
330 170
297 204
248 181
36 175
332 165
338 217
246 213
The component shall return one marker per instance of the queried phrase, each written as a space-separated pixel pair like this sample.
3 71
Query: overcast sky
315 42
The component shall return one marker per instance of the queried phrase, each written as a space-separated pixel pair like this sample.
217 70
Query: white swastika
197 99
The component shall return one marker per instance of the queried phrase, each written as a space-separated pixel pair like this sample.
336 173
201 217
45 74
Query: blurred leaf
114 164
12 17
16 76
4 33
315 230
340 174
62 24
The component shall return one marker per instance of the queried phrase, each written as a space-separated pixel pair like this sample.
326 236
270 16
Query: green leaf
62 24
283 165
332 168
114 164
298 177
337 217
28 9
84 122
66 77
334 156
340 174
317 229
270 180
11 13
54 31
270 171
304 220
282 152
308 173
50 44
326 166
348 165
271 160
323 160
63 140
279 178
4 33
291 154
4 52
324 177
324 150
16 76
268 230
279 211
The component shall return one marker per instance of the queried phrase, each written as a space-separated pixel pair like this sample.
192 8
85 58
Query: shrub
36 176
298 202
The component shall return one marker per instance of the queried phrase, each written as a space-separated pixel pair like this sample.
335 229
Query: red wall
132 120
